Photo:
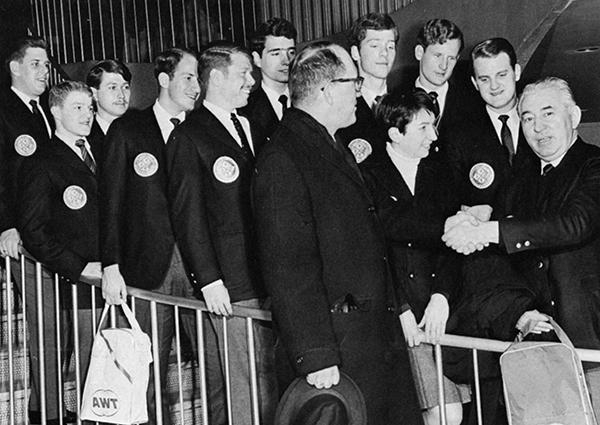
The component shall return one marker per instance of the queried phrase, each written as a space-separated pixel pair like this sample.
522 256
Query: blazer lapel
68 157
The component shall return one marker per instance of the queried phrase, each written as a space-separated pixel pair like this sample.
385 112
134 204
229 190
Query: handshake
470 230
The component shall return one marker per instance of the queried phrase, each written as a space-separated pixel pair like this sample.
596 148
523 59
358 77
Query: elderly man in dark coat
321 246
553 235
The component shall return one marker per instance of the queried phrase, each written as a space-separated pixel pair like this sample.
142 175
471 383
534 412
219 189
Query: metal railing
136 30
17 344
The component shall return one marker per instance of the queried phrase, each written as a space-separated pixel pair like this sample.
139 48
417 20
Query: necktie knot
80 143
436 106
503 118
175 121
283 99
34 107
547 168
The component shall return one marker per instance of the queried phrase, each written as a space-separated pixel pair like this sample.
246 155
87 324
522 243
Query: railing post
440 378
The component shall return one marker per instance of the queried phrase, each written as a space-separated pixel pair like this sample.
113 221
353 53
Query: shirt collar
25 98
397 156
273 95
370 95
441 91
103 123
513 115
556 162
70 139
217 111
163 117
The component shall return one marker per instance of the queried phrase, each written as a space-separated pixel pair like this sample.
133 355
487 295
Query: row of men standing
177 213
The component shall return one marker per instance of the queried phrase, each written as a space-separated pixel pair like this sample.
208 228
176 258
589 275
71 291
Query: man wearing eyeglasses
321 247
372 40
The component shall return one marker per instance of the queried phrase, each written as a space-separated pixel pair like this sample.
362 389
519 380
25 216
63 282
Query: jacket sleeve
187 202
291 263
576 222
35 215
112 186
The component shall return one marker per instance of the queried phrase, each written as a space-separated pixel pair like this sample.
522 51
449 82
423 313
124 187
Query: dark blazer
414 225
476 142
260 113
462 101
58 210
209 194
365 128
135 227
555 232
96 141
323 257
16 119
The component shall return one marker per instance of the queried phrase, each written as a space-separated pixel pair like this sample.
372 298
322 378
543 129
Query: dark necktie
37 114
283 99
175 121
506 137
436 105
547 168
85 155
240 131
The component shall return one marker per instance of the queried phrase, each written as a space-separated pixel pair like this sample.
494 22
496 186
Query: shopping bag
544 383
117 379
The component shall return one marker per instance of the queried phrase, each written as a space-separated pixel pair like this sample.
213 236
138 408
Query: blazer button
552 303
527 243
299 360
518 245
411 276
409 245
371 209
540 265
432 274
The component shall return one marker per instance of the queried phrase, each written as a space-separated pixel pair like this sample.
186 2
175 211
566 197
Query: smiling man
487 151
110 83
25 125
58 219
137 241
553 234
210 160
273 47
372 40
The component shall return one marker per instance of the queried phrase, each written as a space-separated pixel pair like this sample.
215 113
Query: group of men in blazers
292 191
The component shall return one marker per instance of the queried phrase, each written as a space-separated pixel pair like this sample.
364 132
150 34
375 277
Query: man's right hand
114 290
324 378
217 299
10 243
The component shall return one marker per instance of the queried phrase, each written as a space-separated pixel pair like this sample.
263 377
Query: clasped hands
470 230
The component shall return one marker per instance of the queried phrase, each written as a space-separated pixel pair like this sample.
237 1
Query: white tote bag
117 379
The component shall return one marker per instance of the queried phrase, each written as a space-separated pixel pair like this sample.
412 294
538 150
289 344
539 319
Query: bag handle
560 333
128 314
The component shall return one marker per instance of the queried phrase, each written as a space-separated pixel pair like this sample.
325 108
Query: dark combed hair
276 27
398 109
60 91
168 60
20 46
438 31
217 56
492 47
315 65
370 21
94 76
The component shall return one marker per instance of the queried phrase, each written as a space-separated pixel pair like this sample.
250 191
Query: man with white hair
554 233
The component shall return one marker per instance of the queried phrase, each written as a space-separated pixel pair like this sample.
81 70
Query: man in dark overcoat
321 246
553 233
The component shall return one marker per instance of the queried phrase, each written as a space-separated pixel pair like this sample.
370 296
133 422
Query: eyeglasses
358 82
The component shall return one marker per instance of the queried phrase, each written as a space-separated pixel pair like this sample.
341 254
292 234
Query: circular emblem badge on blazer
74 197
226 169
361 149
145 164
481 175
25 145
